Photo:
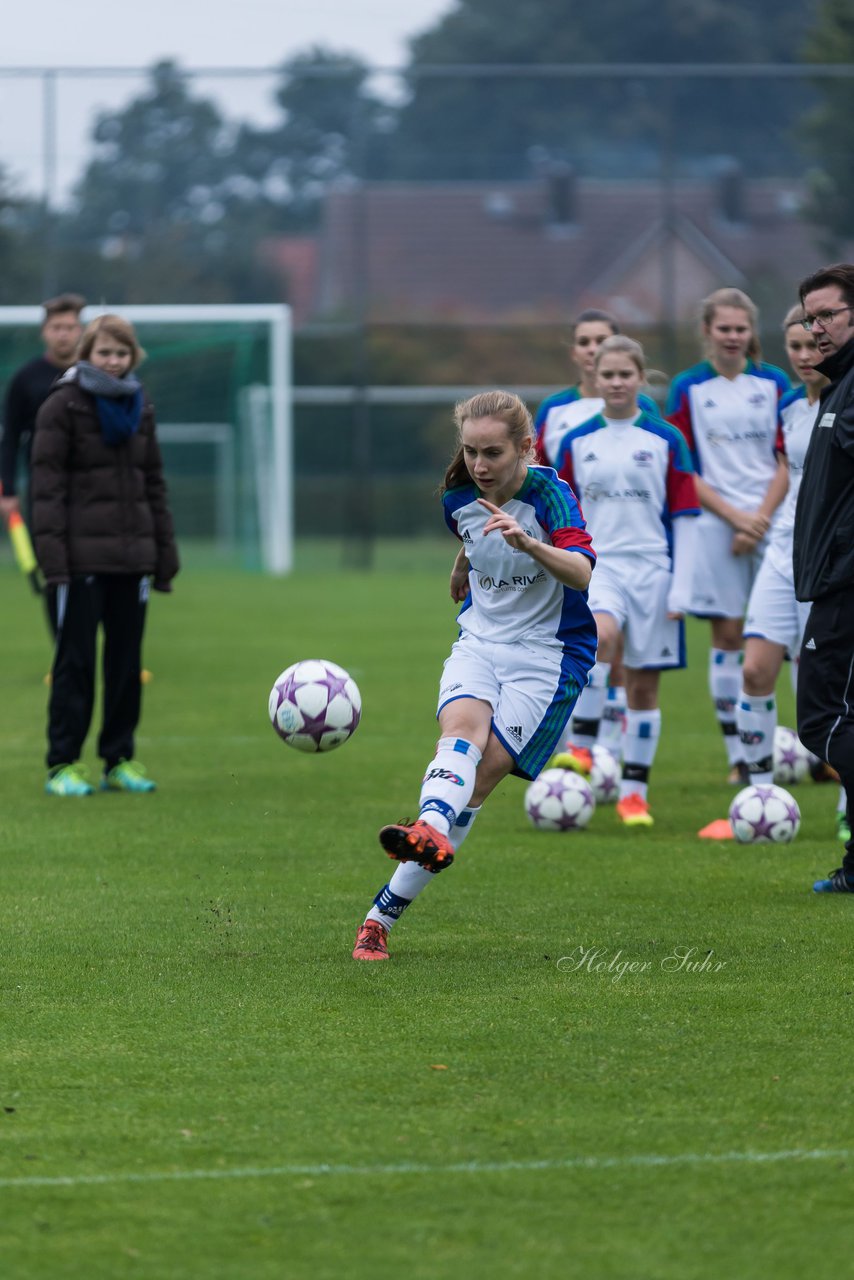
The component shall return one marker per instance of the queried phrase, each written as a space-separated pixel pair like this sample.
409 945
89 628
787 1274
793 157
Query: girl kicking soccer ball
633 474
527 641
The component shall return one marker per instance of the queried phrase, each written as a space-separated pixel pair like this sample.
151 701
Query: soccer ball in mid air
791 758
604 776
764 814
315 705
559 800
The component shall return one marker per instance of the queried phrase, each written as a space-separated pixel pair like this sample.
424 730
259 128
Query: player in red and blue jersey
726 408
527 642
632 473
775 619
560 413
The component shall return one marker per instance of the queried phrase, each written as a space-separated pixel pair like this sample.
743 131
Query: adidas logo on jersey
810 644
666 653
514 731
709 404
467 538
591 457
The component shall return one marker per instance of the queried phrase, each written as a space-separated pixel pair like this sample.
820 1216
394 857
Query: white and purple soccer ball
764 814
605 776
559 800
791 758
315 705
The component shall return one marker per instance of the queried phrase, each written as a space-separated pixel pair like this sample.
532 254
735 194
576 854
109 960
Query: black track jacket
824 516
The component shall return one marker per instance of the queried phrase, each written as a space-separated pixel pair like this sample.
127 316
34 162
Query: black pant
117 602
826 692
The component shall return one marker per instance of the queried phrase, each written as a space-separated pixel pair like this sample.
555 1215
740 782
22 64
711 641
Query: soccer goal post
220 377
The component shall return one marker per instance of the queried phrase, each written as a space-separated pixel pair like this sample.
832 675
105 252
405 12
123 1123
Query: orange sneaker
633 811
417 842
371 942
720 829
578 759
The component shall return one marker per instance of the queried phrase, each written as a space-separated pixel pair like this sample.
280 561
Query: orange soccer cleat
578 759
371 942
417 842
633 811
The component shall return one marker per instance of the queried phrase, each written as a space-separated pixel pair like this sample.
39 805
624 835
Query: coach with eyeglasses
824 546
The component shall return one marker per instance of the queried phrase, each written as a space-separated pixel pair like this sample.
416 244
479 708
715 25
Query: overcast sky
196 33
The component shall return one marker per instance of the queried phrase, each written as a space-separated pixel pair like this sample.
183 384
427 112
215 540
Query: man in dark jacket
824 547
61 332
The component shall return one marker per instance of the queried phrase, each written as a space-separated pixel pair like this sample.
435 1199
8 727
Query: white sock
757 719
587 712
448 783
463 825
842 802
410 877
393 898
613 722
725 686
640 743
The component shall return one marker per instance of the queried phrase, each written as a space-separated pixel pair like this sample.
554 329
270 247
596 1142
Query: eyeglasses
823 319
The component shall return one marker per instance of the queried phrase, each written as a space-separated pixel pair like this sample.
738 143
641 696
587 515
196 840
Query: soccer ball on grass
764 814
791 758
604 776
315 705
559 800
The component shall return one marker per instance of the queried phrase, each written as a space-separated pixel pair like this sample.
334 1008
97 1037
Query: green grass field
197 1081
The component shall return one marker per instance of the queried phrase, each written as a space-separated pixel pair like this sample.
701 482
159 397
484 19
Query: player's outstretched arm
572 568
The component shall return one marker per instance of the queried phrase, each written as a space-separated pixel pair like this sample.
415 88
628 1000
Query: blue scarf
118 401
119 417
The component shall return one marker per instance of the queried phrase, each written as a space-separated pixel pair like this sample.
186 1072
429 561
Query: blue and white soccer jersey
773 613
565 410
633 478
730 425
526 641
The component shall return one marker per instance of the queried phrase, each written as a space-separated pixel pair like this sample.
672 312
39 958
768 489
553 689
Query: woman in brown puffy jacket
103 532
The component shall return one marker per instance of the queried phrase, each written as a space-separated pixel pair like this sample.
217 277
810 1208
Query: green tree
828 129
20 266
162 211
332 128
471 127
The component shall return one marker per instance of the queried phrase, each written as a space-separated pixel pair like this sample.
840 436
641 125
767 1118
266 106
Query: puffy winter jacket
98 508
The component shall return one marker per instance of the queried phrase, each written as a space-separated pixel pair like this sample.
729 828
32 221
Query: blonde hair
733 298
626 346
793 316
503 405
115 327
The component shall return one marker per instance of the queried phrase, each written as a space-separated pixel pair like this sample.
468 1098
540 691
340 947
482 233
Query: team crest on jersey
643 457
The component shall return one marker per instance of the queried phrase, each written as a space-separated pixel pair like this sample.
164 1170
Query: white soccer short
635 593
773 613
529 688
722 582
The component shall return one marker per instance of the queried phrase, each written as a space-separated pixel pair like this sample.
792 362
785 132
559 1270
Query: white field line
590 1163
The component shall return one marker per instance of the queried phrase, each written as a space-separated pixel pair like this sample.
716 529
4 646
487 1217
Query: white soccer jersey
512 597
731 427
797 419
630 478
565 410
